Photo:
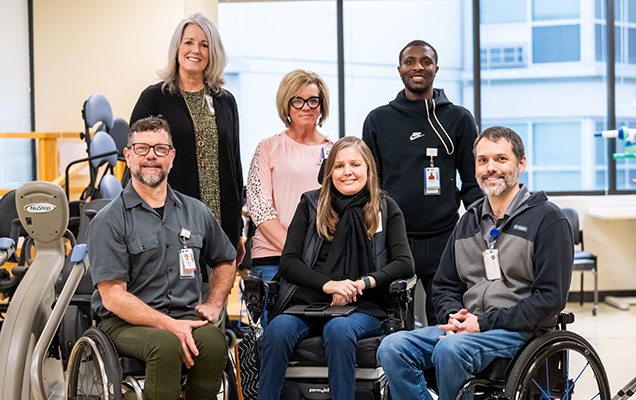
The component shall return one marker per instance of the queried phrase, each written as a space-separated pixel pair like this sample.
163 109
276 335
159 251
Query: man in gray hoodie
503 277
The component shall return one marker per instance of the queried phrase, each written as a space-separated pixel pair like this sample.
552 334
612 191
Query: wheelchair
40 323
558 364
95 371
306 376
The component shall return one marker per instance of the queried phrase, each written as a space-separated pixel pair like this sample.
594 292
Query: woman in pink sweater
286 165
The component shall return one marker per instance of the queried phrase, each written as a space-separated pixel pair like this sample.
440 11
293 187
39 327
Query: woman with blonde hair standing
203 118
286 165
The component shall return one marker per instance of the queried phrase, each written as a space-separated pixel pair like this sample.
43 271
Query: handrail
47 150
53 323
39 135
68 167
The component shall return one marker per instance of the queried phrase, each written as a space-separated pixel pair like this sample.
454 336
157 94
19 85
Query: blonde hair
327 218
292 84
213 72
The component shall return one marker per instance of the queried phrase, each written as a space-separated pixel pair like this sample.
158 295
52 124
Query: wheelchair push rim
93 371
562 365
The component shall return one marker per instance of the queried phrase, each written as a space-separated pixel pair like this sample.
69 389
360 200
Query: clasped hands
461 322
345 291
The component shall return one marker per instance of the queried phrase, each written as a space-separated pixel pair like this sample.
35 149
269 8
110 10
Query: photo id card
210 101
187 266
431 181
491 262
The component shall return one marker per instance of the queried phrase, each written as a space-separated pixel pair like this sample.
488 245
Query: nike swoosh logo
416 135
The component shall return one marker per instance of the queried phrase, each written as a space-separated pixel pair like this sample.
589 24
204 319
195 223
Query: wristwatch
367 281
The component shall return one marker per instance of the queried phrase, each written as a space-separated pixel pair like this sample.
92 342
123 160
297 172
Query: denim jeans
456 358
340 336
265 272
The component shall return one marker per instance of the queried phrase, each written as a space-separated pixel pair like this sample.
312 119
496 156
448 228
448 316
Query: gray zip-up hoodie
536 252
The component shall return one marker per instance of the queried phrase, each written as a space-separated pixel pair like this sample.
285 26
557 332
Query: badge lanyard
187 266
432 183
491 257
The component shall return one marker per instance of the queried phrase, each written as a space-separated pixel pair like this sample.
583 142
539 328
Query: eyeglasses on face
142 149
299 102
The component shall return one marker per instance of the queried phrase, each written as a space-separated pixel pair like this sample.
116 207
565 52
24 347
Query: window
266 40
503 57
503 11
371 56
556 43
543 10
545 100
16 155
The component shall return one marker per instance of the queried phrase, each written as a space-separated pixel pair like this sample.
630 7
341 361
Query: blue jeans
265 272
456 358
340 335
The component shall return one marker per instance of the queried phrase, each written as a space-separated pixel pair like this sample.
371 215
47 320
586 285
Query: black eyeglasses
142 149
299 102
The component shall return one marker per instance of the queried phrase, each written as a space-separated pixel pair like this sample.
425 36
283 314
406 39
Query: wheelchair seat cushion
311 352
132 366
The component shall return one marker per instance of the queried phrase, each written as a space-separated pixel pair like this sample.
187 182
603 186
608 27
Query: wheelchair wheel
93 369
229 390
558 365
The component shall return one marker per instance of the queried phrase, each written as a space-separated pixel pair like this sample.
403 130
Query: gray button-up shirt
128 241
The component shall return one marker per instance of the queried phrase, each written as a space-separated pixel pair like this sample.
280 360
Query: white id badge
187 266
431 181
491 262
210 102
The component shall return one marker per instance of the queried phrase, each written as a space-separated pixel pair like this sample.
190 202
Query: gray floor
612 332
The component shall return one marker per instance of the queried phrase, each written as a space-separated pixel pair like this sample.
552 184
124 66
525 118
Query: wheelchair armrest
403 285
564 319
256 292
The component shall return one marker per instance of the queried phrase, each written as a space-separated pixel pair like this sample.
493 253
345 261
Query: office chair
583 261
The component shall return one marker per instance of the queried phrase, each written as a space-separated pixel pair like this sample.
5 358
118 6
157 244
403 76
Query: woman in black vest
345 245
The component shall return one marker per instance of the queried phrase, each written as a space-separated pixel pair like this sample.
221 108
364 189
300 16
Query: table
616 213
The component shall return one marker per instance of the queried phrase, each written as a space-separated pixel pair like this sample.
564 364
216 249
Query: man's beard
150 180
509 182
417 89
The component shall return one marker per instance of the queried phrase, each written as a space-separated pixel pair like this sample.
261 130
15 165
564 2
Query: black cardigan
184 176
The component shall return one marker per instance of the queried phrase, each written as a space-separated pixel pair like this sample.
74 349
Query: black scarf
350 254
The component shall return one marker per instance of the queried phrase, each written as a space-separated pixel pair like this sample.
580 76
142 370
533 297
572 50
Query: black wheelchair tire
529 367
94 354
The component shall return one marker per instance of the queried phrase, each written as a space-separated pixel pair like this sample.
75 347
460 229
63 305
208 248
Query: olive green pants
163 354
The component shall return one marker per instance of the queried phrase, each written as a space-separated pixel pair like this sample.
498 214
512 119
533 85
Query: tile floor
612 332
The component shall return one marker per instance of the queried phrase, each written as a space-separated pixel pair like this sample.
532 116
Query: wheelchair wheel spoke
559 366
93 372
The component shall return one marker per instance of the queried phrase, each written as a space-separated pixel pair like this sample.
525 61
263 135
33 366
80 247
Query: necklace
206 148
